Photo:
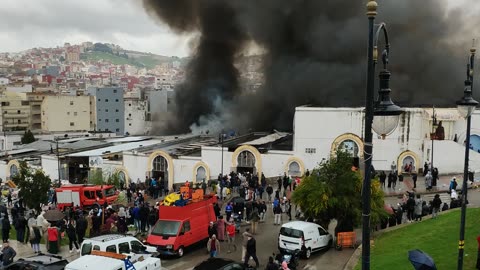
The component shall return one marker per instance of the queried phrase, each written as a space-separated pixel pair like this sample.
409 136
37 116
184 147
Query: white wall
183 169
3 170
212 156
445 150
50 166
274 162
136 165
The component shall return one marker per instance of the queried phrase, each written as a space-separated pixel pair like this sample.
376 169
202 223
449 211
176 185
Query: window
99 100
99 194
116 100
130 124
106 120
186 227
89 195
86 249
129 104
117 130
99 120
112 248
106 110
96 247
114 90
117 120
68 113
5 112
71 102
75 113
322 231
19 121
310 150
5 103
25 103
18 112
72 124
136 246
116 110
106 100
124 247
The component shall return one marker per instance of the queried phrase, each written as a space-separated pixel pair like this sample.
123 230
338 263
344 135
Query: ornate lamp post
466 106
386 120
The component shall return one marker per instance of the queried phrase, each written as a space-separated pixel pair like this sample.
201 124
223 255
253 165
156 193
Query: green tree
333 191
27 137
96 177
33 185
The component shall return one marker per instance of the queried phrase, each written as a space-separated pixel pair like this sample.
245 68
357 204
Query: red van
181 226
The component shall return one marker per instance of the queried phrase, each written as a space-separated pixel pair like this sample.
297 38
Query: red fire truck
85 196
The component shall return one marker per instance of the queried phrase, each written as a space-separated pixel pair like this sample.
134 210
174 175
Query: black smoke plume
315 53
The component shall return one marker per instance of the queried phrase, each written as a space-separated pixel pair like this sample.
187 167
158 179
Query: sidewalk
442 185
25 250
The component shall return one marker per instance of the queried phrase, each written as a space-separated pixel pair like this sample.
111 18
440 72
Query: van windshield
166 228
110 192
289 232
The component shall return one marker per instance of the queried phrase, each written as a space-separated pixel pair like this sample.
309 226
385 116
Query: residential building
15 111
66 113
135 113
109 108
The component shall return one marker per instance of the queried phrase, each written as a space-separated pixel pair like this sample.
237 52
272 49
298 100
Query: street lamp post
386 121
58 164
221 138
466 106
434 122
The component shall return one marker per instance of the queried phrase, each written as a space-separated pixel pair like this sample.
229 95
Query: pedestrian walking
8 253
436 203
251 252
246 234
231 235
269 191
277 211
5 228
394 180
213 246
81 228
414 179
229 210
211 229
220 229
418 208
72 236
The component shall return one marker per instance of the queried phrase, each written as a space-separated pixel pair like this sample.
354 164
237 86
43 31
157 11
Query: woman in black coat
72 235
5 228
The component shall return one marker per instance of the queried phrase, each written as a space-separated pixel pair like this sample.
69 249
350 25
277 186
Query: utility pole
58 163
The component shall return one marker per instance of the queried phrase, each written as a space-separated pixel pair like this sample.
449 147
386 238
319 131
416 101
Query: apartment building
135 116
66 113
109 109
15 111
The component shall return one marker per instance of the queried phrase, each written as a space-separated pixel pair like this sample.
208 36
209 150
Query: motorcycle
292 258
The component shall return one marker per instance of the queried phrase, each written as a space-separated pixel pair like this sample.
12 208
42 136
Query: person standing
35 237
211 229
53 239
436 203
81 228
5 228
269 192
382 177
245 237
394 180
453 185
410 208
277 211
229 210
220 229
251 252
8 254
428 181
231 235
279 183
72 236
414 179
213 246
418 208
20 226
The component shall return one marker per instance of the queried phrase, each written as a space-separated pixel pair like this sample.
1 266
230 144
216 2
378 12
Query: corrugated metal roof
115 149
267 139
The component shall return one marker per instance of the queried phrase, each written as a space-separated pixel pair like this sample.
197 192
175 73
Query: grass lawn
438 238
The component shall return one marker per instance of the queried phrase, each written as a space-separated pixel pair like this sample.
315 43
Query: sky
25 24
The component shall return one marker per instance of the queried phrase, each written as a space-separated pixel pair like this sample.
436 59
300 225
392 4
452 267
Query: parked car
115 243
220 264
39 262
307 237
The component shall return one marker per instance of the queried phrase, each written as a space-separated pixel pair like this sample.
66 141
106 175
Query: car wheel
308 253
180 252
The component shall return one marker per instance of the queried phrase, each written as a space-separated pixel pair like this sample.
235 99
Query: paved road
266 244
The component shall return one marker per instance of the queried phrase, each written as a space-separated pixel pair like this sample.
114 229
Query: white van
113 261
115 243
304 236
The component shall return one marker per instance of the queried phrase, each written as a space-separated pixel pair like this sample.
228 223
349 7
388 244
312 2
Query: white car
116 243
111 261
304 236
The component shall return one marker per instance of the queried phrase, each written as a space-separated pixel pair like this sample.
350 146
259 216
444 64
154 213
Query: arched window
122 179
160 168
294 169
201 174
350 147
13 170
246 159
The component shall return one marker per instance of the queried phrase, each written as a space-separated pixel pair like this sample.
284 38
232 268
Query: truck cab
85 195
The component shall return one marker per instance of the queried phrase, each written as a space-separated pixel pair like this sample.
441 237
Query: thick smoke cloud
315 54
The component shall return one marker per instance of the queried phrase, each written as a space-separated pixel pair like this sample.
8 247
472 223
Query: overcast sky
48 23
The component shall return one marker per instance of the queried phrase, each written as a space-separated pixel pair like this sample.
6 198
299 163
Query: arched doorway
475 143
122 178
349 146
408 162
294 169
160 168
201 174
246 162
13 170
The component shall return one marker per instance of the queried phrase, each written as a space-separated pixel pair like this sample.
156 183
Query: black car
220 264
38 262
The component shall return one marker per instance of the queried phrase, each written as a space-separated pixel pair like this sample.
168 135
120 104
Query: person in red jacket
231 235
52 239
